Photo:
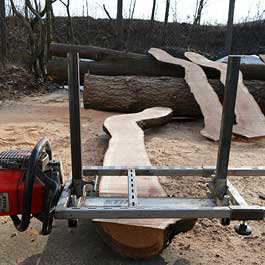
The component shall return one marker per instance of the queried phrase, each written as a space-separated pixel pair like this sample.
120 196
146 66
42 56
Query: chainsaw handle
23 224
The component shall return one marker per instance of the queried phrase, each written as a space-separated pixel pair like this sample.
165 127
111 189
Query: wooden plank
204 94
249 118
144 237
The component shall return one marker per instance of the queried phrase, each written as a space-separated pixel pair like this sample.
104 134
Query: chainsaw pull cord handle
22 225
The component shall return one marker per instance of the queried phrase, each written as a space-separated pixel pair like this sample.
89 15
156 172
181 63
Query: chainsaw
30 185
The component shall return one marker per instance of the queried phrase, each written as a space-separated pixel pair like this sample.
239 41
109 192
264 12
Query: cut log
148 66
57 69
250 121
135 93
137 238
204 94
89 52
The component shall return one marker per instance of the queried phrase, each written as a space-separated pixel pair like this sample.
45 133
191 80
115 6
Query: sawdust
23 122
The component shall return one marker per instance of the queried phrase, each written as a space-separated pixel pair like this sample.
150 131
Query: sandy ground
23 122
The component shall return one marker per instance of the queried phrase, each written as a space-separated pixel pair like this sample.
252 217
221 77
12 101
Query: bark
136 93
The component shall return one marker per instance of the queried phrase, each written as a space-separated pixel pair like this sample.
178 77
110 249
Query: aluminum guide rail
206 171
92 207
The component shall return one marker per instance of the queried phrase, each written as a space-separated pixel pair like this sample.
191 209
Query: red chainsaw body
11 193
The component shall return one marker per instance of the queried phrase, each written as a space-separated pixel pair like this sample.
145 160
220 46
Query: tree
153 11
3 53
229 30
200 4
131 14
33 21
167 12
70 30
119 23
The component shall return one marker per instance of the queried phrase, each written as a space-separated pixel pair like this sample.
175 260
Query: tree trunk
48 29
229 30
136 93
153 11
198 13
3 38
167 12
119 24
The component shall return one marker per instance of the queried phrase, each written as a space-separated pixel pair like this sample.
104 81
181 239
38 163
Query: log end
140 242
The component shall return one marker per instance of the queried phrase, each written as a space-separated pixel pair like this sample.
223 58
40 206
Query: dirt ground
23 122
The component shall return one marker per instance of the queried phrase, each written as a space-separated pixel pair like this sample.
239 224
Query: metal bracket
132 189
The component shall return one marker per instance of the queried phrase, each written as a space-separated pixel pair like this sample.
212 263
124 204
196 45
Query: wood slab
137 238
250 121
203 92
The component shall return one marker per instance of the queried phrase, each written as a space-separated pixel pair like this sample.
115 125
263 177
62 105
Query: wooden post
3 52
229 31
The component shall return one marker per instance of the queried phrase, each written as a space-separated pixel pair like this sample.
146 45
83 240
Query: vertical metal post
228 118
229 29
74 111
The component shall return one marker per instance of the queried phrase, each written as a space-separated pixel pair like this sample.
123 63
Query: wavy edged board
249 118
203 92
137 238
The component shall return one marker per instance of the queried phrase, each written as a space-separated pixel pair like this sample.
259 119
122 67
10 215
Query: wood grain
204 94
141 238
250 121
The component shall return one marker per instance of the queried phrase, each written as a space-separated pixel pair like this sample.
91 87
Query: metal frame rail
224 202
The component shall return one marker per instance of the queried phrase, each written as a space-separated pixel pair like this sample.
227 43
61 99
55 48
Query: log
145 65
136 238
136 93
202 91
250 121
89 52
57 69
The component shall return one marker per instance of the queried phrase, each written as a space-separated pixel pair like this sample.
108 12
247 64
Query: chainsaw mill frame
79 199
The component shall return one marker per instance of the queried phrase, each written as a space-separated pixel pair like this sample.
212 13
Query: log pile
112 63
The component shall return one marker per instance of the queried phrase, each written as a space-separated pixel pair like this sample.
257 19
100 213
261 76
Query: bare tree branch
107 12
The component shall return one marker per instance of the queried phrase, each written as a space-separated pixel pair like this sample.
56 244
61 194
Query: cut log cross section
249 118
137 238
203 92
